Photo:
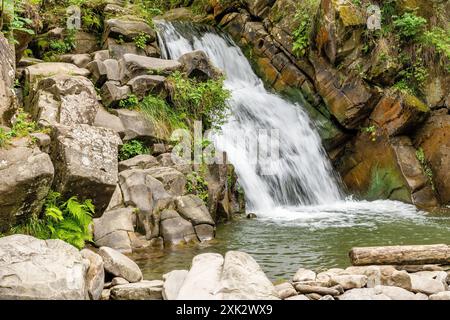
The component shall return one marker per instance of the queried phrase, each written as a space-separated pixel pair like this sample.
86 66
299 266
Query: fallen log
400 255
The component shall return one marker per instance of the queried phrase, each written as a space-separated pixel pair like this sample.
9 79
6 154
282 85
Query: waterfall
302 175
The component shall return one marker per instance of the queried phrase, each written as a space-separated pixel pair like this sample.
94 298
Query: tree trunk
401 255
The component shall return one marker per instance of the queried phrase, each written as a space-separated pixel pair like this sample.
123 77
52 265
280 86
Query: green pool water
315 238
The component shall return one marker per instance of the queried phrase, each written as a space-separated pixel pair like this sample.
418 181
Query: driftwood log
401 255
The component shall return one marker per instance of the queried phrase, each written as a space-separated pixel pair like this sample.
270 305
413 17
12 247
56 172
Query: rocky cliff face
369 89
69 122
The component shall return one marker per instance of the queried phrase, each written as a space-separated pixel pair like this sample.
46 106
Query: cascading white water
302 175
302 185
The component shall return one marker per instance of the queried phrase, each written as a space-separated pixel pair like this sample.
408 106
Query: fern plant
65 220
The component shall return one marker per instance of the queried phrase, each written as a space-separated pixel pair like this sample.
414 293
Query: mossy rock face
378 167
370 170
349 13
434 139
399 113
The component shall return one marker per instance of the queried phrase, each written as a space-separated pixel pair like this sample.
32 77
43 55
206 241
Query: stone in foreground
144 290
203 280
172 283
119 265
45 270
243 279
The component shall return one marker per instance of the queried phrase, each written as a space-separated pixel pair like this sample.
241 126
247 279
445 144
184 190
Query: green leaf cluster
132 149
65 220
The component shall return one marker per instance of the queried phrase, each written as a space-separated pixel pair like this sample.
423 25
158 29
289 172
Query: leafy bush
65 220
205 101
409 25
22 127
304 18
141 40
129 103
412 78
196 184
58 47
440 39
132 149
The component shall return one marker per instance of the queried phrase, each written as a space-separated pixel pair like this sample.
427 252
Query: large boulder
104 70
176 230
128 29
64 99
105 119
95 277
197 65
194 210
174 181
243 279
434 139
112 93
237 277
143 161
112 229
399 114
120 265
146 84
173 281
203 280
338 29
348 102
36 72
7 75
428 282
136 126
80 60
132 66
144 290
142 191
86 165
27 176
385 168
38 269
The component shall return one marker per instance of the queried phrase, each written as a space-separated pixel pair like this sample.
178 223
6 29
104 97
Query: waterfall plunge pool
289 232
317 238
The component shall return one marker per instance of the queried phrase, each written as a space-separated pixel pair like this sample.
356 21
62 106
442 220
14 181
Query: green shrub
129 103
409 25
21 127
65 220
205 101
141 40
196 184
58 47
304 17
132 149
440 39
412 79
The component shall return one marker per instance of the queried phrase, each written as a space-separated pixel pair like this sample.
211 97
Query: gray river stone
120 265
36 269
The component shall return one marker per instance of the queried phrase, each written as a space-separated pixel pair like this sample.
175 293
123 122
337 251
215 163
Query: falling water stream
304 219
